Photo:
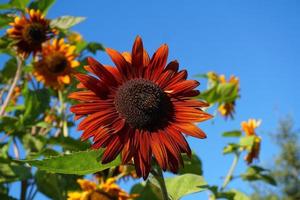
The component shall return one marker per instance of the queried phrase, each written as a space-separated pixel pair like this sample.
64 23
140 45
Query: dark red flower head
139 109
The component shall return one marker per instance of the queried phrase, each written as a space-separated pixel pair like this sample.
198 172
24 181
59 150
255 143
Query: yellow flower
55 64
106 190
30 31
249 129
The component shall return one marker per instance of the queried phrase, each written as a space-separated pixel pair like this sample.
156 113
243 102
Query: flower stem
13 85
229 175
158 175
62 112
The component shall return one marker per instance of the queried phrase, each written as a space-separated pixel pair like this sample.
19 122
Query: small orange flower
249 129
106 190
55 65
29 32
139 109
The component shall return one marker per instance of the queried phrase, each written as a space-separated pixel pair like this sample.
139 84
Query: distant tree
286 168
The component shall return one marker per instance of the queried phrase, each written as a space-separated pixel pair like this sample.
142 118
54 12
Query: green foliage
235 133
219 93
42 5
93 47
146 190
247 142
11 172
192 165
55 186
66 22
19 4
177 187
8 71
185 184
5 20
36 102
231 148
73 163
255 173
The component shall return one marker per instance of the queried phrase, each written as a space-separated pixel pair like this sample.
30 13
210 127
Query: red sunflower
140 109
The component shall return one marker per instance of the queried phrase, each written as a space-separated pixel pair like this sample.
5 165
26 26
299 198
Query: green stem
160 178
229 175
62 112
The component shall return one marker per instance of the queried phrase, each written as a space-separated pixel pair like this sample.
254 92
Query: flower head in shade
227 109
139 109
30 31
55 64
249 129
106 190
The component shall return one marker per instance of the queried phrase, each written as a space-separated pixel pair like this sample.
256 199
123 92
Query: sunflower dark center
56 63
143 104
34 33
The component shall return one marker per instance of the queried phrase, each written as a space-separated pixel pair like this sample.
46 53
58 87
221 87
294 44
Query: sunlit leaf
80 163
185 184
66 22
247 142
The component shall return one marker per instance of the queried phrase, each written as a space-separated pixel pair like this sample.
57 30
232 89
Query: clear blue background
258 41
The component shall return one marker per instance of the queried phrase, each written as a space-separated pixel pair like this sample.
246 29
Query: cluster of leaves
35 130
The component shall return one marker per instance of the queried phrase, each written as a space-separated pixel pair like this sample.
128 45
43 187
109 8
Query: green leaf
20 4
42 5
36 103
146 190
235 133
192 166
93 47
5 20
231 148
227 92
48 184
33 143
239 195
8 124
185 184
69 143
256 173
247 142
11 172
80 163
55 186
9 70
66 22
210 95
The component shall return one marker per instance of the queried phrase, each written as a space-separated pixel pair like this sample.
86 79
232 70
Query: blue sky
258 41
